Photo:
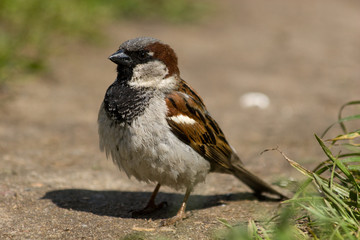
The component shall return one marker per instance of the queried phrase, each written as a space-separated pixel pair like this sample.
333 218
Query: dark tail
254 182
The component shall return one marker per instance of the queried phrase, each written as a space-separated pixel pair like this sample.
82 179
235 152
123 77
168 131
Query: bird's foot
172 221
150 208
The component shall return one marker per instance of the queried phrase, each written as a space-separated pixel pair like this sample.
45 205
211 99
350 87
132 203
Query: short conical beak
120 58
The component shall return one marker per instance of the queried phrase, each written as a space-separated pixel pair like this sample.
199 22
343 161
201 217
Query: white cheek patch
182 119
150 69
151 74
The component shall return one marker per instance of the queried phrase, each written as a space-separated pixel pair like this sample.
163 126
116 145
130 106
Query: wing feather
203 134
191 123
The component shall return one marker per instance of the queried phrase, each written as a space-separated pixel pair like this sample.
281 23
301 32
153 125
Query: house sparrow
157 128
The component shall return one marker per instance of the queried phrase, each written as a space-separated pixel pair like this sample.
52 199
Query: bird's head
146 63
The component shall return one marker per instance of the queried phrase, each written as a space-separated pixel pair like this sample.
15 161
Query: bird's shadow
120 203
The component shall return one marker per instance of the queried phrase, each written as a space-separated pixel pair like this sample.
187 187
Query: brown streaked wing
187 89
204 136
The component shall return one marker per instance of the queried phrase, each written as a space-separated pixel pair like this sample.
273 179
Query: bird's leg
181 213
151 206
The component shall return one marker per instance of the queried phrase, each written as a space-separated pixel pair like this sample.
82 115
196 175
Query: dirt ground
54 181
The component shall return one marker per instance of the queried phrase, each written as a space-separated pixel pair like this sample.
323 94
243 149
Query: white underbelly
149 151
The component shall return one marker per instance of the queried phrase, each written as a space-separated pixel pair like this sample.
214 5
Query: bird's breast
149 151
123 104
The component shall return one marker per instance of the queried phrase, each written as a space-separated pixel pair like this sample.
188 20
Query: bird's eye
143 55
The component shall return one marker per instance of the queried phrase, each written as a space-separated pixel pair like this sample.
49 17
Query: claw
180 214
172 221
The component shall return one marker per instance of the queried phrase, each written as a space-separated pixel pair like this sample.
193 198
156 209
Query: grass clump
30 29
331 210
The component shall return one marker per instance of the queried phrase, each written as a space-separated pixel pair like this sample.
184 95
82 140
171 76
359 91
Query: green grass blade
353 159
325 164
348 136
343 191
332 176
304 199
354 168
302 188
225 223
342 125
341 122
338 163
341 206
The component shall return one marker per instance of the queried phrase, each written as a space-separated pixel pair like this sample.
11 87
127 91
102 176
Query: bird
156 127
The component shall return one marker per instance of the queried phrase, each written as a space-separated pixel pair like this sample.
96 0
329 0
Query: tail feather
254 182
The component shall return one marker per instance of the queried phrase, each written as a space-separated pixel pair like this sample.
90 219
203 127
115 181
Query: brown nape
167 55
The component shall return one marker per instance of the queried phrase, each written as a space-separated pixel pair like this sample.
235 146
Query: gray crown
138 43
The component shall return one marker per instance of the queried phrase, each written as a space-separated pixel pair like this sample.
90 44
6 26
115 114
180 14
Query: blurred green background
30 30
